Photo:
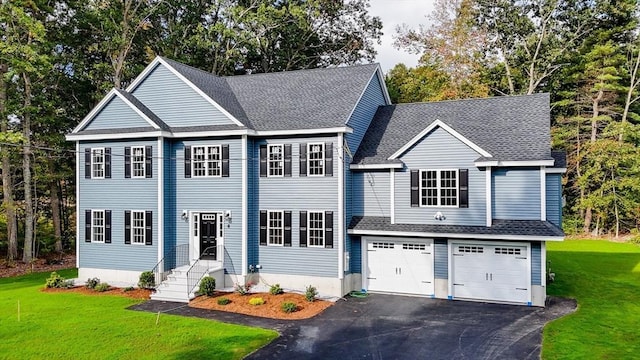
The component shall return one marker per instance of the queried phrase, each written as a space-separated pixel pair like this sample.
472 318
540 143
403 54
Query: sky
397 12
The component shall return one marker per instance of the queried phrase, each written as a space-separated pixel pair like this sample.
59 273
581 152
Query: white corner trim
341 213
449 269
543 265
160 212
78 227
514 163
447 128
376 166
95 111
455 235
555 170
392 196
489 196
543 194
245 207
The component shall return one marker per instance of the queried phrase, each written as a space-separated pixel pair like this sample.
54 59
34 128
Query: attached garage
492 271
399 265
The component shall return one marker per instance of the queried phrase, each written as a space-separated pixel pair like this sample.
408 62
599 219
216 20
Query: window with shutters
439 188
207 161
275 161
97 163
315 228
315 159
138 162
97 226
138 235
275 228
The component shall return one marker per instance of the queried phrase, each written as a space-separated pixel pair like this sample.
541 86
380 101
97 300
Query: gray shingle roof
508 127
500 227
145 110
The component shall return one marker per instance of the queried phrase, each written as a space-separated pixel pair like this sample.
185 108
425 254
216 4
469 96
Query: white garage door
404 266
497 272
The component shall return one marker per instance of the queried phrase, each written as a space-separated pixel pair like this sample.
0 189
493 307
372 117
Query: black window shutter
87 225
303 229
127 227
148 227
187 161
263 160
107 226
127 162
148 161
328 229
303 159
464 188
328 159
287 228
415 188
107 163
287 160
87 163
263 227
225 160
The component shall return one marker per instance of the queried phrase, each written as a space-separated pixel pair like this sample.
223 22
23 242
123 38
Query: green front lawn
76 326
605 279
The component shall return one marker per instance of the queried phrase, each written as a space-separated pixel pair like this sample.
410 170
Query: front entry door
208 238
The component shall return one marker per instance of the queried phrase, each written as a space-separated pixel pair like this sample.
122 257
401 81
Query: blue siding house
313 177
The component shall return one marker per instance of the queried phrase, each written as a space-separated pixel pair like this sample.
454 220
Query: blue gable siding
296 194
116 114
175 102
554 198
516 193
119 194
440 150
363 113
536 263
370 192
441 258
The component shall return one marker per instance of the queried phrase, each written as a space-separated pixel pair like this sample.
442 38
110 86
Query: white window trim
269 146
269 212
104 167
144 228
323 228
309 145
438 188
144 159
206 161
93 227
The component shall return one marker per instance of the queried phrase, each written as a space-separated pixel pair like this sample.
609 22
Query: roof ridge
299 71
499 97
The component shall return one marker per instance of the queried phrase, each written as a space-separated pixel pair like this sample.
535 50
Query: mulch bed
18 268
141 294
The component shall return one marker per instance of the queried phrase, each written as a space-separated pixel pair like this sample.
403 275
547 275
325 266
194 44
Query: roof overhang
376 166
514 163
455 235
555 170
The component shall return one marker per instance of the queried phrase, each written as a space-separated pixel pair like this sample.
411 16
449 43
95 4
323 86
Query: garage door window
471 249
508 251
382 245
414 247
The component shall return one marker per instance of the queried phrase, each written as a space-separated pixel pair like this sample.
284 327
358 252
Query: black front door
208 231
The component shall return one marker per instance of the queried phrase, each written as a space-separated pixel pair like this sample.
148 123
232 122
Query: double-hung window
97 226
439 188
97 163
138 161
315 228
275 228
207 161
315 161
138 235
275 161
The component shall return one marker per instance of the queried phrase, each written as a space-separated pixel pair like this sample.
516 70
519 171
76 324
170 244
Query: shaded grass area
76 326
604 277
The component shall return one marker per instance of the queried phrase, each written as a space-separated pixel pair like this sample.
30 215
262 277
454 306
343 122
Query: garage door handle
486 276
372 278
426 282
521 257
458 284
491 277
525 289
425 253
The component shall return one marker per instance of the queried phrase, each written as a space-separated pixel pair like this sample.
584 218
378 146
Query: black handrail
197 271
178 256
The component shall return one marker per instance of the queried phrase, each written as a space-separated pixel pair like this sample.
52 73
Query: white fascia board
135 108
375 166
210 133
383 85
345 129
447 128
95 110
93 137
555 170
385 93
454 235
143 75
517 163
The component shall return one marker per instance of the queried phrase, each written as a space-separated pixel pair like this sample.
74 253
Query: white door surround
194 233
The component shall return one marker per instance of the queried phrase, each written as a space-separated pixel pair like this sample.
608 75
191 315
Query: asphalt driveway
399 327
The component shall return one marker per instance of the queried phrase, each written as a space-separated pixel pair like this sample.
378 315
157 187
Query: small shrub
102 287
289 307
275 289
207 285
243 289
147 280
223 301
310 293
92 283
256 301
128 288
58 282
